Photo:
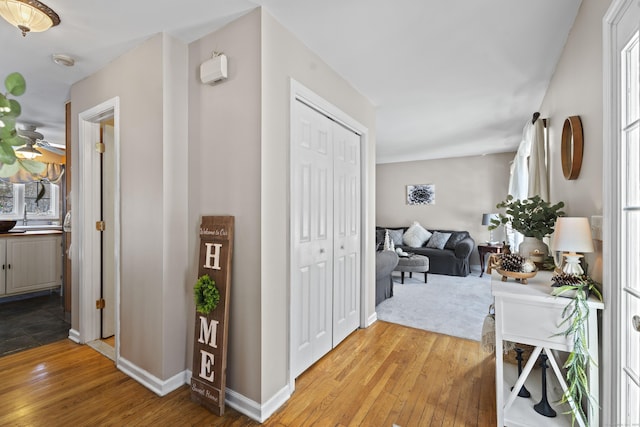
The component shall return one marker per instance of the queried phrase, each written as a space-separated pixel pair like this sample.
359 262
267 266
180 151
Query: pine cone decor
511 262
564 279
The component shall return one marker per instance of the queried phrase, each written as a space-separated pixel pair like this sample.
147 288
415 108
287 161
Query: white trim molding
372 319
74 335
249 407
150 381
86 196
611 331
253 409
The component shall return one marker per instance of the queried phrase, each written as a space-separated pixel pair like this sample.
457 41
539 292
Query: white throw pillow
416 235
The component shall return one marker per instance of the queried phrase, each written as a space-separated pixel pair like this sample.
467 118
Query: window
15 198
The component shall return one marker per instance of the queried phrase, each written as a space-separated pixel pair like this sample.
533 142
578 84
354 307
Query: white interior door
346 248
629 216
326 208
108 245
312 238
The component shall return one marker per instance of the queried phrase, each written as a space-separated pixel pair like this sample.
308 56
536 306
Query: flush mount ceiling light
28 15
62 59
28 152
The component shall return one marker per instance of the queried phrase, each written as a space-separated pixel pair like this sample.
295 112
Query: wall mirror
571 147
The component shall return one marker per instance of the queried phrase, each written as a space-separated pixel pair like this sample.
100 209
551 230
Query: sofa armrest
464 248
386 261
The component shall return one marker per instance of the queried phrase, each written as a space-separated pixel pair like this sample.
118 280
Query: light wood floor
378 376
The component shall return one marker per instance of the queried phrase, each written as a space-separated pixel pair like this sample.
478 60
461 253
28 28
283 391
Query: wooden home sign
210 342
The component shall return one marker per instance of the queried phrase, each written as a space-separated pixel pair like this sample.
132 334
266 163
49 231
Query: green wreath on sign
206 294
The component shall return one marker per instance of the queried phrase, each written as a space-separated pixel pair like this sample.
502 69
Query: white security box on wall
214 69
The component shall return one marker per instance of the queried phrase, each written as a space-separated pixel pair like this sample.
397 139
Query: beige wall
239 165
149 278
224 179
576 89
466 187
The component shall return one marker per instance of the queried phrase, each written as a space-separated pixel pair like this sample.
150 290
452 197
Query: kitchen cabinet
30 261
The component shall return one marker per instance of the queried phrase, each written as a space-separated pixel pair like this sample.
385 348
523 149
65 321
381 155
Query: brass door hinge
100 147
100 226
100 304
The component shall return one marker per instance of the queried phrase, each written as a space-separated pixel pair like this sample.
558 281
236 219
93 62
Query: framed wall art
421 194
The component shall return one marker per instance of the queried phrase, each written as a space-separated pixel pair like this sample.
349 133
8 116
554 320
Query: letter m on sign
208 332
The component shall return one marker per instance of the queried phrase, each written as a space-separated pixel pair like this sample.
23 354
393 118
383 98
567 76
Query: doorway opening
98 238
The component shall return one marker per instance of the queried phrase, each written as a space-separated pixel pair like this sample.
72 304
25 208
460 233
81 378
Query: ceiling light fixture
62 59
28 152
28 15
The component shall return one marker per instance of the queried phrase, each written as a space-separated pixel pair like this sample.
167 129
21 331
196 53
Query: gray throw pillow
455 238
396 236
438 240
379 237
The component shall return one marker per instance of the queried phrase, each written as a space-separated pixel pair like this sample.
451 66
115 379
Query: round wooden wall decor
571 147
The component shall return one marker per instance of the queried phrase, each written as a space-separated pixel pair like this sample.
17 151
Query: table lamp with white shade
571 236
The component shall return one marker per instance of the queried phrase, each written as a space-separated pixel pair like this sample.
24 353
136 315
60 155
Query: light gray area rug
448 305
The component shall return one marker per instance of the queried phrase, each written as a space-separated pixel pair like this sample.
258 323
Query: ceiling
448 78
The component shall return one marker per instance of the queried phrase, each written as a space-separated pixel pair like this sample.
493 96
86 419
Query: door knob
341 246
321 251
636 322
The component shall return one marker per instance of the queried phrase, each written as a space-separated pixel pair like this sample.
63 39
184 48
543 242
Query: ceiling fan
34 139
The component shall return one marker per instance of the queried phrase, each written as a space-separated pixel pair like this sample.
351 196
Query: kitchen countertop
27 232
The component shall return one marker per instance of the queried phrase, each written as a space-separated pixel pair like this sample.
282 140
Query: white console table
528 314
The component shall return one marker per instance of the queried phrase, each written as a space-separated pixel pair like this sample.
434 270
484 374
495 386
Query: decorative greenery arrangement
575 315
533 217
206 294
10 110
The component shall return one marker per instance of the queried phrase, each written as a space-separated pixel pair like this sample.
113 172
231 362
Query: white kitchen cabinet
528 314
30 262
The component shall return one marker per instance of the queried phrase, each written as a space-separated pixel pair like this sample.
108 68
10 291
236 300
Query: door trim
86 239
299 92
611 260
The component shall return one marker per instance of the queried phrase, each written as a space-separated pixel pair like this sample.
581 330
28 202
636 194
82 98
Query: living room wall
576 90
465 188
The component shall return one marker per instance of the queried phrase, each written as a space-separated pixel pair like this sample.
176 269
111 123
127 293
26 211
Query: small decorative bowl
5 226
519 276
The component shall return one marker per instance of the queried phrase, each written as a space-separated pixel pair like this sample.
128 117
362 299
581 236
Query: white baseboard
74 336
372 319
251 408
149 380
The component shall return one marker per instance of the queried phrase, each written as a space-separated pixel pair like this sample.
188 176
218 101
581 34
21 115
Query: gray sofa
453 260
386 261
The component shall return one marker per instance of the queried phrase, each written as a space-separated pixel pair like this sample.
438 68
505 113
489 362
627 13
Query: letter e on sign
206 365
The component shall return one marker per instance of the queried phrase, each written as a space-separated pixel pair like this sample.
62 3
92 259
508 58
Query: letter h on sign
215 256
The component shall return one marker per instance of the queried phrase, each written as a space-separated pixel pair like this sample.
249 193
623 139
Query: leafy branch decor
575 316
206 294
10 110
533 217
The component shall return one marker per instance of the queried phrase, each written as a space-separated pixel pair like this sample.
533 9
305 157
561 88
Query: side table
484 249
528 314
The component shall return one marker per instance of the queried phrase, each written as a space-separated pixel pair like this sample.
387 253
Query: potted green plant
575 315
10 110
532 217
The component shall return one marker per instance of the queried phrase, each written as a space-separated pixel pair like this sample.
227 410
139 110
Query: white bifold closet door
326 204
